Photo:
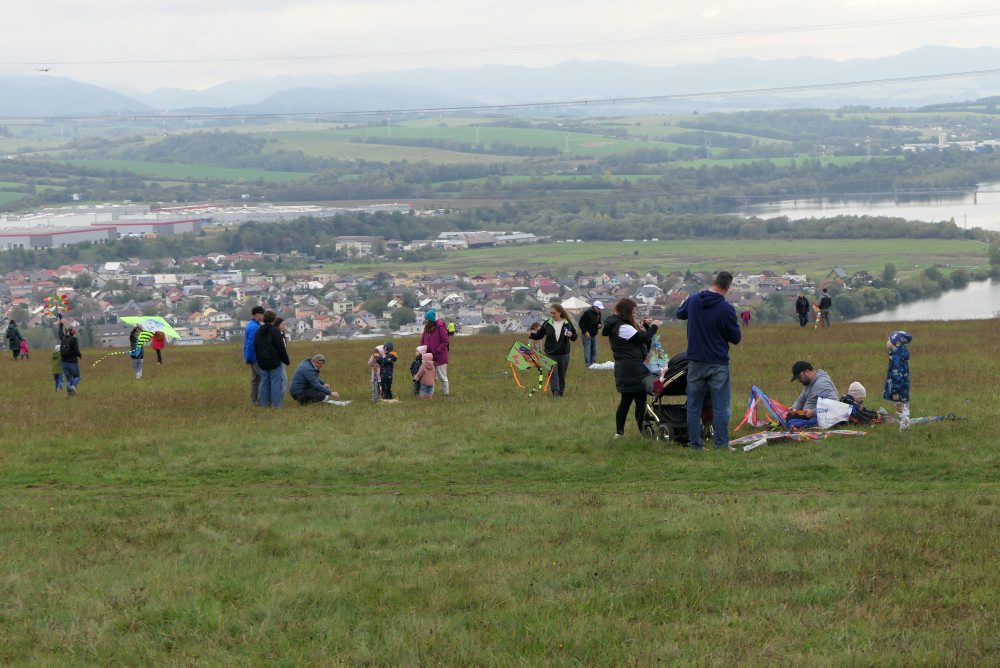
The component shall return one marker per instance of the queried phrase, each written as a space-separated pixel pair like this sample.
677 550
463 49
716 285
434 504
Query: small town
208 299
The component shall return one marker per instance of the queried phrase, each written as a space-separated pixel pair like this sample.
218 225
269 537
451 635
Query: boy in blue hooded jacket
897 377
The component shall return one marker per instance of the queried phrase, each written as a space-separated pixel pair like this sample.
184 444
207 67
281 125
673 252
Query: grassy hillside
809 256
165 521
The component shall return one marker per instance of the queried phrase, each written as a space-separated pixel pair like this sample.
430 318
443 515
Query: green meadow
808 256
164 521
179 171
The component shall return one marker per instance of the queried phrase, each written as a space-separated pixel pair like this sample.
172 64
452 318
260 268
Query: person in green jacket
57 372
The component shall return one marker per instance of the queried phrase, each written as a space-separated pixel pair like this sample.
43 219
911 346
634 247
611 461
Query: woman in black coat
557 331
630 343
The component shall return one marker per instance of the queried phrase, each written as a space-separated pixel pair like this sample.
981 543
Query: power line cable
596 102
518 47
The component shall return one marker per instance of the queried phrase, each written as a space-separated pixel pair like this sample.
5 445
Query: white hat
599 304
857 390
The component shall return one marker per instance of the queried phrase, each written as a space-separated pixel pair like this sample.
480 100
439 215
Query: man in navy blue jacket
711 327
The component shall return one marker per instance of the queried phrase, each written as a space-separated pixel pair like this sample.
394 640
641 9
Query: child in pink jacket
425 376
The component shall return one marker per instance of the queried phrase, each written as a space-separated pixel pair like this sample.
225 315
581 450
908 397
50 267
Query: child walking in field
159 340
897 377
746 316
375 366
57 372
425 376
415 367
24 349
389 359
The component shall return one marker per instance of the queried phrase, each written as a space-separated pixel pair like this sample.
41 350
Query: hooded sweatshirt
821 386
711 327
425 375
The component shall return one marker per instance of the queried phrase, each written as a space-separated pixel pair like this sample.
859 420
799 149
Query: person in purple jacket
711 327
435 337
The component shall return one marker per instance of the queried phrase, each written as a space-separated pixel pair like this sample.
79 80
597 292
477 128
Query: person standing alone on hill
802 309
711 327
590 325
250 356
435 337
825 302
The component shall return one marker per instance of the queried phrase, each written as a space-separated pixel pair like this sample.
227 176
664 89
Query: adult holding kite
825 302
435 337
557 332
630 343
14 339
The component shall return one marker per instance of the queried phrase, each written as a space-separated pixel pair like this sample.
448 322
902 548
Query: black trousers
386 386
622 414
558 382
803 319
309 396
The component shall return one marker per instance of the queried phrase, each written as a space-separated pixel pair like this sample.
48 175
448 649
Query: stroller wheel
707 433
663 434
649 430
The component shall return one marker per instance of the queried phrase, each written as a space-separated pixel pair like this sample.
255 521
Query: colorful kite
819 316
55 304
523 357
151 323
797 436
773 415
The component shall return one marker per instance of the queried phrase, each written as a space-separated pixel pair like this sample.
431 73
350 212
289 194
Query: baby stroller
668 422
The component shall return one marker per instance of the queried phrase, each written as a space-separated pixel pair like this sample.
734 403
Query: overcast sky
71 36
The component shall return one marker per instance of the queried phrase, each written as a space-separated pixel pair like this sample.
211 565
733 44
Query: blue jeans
589 349
427 391
59 380
72 372
715 379
272 386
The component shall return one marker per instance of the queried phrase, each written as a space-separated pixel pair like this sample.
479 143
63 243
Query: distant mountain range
46 95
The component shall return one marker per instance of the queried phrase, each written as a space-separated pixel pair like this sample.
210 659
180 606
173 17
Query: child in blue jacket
897 377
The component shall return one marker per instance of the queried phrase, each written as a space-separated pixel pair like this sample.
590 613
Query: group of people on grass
712 327
265 352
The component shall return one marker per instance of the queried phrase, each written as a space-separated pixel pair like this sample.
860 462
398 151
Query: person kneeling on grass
308 388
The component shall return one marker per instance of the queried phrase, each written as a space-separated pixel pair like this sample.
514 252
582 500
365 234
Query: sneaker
619 435
70 391
337 403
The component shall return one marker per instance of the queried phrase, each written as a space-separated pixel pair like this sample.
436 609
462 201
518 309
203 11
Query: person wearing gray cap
590 325
308 388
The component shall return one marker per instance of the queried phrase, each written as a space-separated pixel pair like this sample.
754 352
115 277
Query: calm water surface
980 210
977 301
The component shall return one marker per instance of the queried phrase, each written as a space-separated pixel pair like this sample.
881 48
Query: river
979 210
977 301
